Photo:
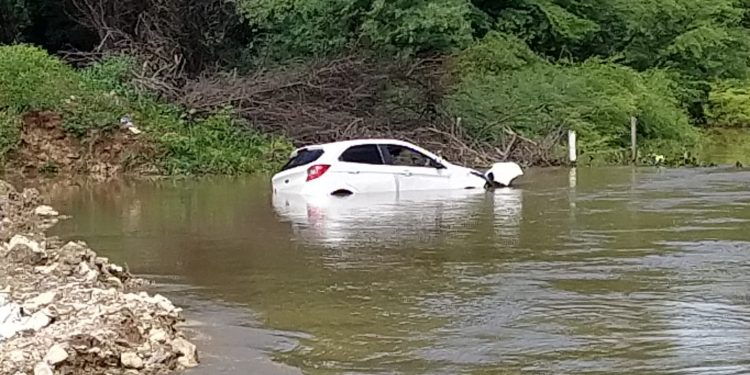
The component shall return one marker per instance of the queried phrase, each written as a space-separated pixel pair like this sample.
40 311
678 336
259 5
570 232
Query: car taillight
316 171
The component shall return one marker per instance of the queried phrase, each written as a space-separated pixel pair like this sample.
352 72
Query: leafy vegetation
520 91
506 68
220 143
94 100
31 79
729 104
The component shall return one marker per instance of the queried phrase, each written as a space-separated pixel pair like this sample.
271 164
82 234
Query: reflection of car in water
394 218
379 166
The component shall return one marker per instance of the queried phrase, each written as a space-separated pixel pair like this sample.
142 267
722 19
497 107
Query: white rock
42 368
56 354
17 356
37 321
145 347
89 274
22 240
45 211
186 362
157 335
114 281
9 312
11 320
189 354
83 268
163 303
46 270
131 360
7 331
116 269
39 301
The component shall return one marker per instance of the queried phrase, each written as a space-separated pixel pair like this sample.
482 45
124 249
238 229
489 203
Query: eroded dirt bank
64 310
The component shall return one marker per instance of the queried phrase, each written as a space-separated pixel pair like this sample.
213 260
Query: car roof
341 145
334 149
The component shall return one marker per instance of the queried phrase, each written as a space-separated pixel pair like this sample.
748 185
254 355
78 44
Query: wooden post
634 138
572 146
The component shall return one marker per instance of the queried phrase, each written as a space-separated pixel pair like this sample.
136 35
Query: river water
611 270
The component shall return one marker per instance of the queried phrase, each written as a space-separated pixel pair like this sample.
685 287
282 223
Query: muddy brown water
611 270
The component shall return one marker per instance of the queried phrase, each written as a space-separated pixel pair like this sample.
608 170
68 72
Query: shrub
729 104
31 79
112 73
414 26
94 110
533 97
219 144
494 54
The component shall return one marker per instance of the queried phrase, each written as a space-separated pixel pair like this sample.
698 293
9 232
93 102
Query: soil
46 148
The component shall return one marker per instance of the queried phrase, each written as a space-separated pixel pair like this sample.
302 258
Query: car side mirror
437 164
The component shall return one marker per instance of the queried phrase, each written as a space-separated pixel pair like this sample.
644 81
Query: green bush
98 111
104 96
414 26
10 131
219 144
111 74
289 29
729 104
533 97
31 79
496 53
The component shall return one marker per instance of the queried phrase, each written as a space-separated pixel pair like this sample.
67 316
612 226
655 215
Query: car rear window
363 154
303 157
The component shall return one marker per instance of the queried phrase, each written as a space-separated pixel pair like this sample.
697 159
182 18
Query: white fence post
633 138
573 154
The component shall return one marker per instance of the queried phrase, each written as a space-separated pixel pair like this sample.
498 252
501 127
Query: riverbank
96 121
65 310
101 119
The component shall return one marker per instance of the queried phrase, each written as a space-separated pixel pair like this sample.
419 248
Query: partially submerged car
380 165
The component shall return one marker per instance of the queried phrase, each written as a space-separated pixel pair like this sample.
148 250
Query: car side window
363 154
404 156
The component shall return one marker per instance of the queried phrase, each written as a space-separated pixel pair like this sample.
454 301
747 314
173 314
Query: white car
378 166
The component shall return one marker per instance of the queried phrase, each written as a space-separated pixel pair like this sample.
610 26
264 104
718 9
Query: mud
46 148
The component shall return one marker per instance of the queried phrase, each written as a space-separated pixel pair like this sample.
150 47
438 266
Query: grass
93 100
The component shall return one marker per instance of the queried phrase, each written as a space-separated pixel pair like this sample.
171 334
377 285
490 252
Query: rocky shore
65 310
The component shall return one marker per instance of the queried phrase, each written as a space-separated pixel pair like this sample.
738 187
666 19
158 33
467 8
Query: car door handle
406 173
353 172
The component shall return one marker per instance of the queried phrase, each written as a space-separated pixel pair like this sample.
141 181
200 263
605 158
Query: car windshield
303 157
